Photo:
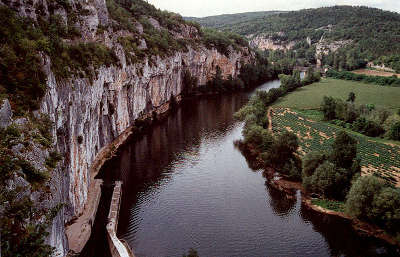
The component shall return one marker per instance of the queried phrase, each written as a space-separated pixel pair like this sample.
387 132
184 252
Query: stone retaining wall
118 248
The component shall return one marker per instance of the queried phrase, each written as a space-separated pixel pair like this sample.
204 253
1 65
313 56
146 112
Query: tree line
333 175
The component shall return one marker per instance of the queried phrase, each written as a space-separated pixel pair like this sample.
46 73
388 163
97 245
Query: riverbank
79 230
289 187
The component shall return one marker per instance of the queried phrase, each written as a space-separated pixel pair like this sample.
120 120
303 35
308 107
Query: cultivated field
377 157
371 72
310 97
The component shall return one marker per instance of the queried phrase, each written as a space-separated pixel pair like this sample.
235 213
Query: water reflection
187 186
281 203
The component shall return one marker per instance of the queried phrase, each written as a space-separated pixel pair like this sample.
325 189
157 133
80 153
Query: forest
374 33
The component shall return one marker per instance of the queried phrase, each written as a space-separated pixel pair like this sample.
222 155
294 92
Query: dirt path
376 73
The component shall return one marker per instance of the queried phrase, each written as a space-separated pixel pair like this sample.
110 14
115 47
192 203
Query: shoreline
290 188
78 230
359 226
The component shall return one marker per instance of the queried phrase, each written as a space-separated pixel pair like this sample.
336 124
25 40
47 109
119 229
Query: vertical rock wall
88 115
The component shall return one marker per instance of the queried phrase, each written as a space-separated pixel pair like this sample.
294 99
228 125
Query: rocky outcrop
5 113
267 43
324 47
88 114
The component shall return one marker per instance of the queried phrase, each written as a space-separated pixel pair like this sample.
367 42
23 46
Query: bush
383 81
351 97
330 174
394 132
53 159
367 127
292 168
385 208
361 195
328 181
281 150
257 136
328 107
312 161
344 150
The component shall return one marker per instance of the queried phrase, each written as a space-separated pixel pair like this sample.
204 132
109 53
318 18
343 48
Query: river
185 185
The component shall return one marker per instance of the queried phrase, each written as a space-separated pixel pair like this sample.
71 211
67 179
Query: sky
201 8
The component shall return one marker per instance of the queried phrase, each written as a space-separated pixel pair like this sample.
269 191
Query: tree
385 208
351 97
344 150
257 136
312 161
394 132
328 107
361 196
327 181
281 150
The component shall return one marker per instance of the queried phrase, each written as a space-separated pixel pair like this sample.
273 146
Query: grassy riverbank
327 162
376 157
310 97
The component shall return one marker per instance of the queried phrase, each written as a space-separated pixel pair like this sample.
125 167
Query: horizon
197 9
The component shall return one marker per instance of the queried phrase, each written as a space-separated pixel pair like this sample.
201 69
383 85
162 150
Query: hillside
227 21
370 32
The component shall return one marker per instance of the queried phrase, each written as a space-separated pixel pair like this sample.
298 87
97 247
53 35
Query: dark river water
186 186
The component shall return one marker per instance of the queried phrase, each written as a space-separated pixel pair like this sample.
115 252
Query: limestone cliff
88 113
265 42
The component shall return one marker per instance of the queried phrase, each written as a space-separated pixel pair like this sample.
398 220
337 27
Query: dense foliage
365 119
379 80
223 40
376 156
22 78
222 21
329 174
375 31
161 41
23 225
372 200
334 174
372 34
276 151
392 61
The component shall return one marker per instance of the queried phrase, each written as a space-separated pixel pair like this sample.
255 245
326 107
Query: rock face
89 114
5 113
266 43
324 47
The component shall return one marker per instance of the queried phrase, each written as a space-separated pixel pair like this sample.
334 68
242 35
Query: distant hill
229 21
372 33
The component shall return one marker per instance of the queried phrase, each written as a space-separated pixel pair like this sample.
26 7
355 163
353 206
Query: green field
310 97
381 159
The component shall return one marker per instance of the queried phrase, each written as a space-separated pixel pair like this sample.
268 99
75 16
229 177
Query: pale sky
201 8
